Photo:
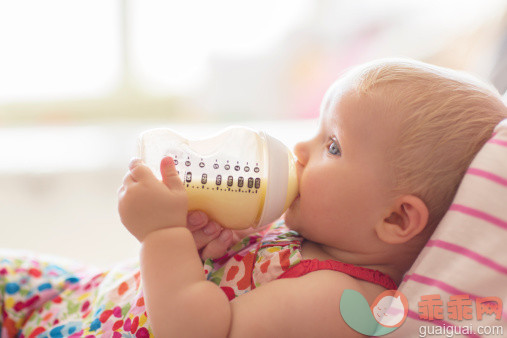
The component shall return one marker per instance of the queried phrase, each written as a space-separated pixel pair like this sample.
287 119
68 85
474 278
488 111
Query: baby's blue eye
334 149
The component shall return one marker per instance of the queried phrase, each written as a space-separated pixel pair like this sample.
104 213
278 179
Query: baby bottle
240 177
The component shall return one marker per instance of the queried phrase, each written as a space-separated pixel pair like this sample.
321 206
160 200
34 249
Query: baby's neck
395 270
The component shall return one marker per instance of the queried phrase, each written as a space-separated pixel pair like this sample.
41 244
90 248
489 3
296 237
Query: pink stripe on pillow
499 142
468 253
439 284
487 175
479 214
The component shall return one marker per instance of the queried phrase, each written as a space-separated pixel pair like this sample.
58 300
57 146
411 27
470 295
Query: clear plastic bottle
240 177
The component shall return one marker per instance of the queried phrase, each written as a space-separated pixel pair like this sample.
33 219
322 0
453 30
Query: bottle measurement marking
232 184
253 184
249 191
230 180
227 166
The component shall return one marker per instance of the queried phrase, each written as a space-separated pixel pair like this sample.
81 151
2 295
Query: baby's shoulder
336 282
307 305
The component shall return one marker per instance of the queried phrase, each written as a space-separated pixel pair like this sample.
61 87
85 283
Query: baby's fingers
218 246
140 172
196 220
205 235
127 179
170 174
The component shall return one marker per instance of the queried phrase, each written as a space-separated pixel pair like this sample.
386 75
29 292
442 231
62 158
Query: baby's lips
294 201
299 172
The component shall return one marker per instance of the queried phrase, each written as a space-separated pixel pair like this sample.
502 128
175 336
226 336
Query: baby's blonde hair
444 118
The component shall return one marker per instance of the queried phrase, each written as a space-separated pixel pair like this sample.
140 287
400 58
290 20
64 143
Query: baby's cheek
319 203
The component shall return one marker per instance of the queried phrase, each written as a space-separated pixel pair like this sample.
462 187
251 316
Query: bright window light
58 49
173 40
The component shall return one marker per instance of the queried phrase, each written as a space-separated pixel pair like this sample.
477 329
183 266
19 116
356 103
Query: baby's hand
211 239
147 204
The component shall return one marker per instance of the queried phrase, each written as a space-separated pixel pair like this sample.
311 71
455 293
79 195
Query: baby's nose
301 152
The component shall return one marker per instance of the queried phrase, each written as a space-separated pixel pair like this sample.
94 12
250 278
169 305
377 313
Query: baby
394 141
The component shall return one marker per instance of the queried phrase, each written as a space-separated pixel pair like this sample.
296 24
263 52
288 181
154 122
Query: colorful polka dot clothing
55 298
272 254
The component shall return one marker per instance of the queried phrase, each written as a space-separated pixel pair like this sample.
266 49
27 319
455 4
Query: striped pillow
467 254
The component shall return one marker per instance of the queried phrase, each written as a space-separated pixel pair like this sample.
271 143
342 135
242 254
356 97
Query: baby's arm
176 293
181 302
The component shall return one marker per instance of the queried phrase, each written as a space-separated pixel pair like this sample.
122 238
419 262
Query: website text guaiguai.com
451 331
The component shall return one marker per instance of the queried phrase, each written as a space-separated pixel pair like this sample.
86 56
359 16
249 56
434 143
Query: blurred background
79 80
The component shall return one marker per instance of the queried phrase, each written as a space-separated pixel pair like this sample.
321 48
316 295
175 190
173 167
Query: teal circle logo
387 313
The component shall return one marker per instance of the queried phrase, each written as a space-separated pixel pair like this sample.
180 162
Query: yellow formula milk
241 177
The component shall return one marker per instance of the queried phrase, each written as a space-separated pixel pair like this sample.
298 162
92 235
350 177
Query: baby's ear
406 218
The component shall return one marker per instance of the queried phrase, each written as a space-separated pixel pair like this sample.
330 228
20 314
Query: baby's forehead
335 92
341 100
355 116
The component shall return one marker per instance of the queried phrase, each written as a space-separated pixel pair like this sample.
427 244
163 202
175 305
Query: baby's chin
287 219
290 220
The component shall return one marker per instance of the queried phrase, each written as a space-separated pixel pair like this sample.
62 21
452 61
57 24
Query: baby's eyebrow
337 131
337 135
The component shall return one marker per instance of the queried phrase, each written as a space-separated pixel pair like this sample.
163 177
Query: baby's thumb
170 174
138 171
